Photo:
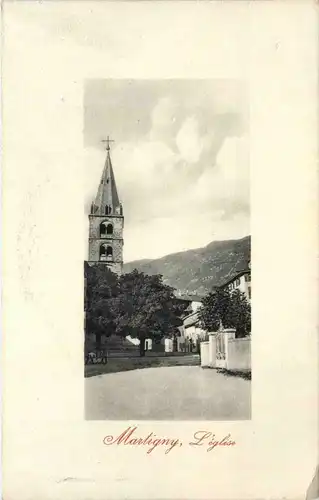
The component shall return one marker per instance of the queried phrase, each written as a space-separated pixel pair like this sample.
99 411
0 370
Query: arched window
103 252
105 229
108 209
106 252
102 229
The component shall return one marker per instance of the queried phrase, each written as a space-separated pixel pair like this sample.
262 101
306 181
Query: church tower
106 222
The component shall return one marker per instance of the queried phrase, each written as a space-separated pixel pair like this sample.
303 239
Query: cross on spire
107 140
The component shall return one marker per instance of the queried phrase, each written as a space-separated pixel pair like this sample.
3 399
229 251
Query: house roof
234 277
190 320
190 298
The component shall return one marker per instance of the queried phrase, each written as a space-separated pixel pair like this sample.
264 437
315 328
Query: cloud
143 171
227 184
188 140
165 119
233 162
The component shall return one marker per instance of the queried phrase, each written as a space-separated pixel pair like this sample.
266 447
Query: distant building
190 332
195 302
241 280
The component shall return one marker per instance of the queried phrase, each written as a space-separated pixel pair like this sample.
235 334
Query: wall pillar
204 354
229 334
212 349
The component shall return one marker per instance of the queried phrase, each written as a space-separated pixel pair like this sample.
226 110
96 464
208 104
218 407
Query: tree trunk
98 341
198 346
175 344
142 347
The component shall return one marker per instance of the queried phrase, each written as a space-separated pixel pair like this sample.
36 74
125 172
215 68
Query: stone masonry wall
95 221
94 249
115 240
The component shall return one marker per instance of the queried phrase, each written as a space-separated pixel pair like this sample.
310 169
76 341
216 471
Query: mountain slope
198 270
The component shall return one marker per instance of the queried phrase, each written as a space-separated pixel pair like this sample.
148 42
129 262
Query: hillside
198 270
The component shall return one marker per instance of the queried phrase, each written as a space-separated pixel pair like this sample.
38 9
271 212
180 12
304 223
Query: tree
215 310
135 304
231 310
146 308
240 313
101 289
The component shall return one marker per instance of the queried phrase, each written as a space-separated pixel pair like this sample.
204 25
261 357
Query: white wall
238 352
204 354
194 332
195 306
242 286
239 356
168 345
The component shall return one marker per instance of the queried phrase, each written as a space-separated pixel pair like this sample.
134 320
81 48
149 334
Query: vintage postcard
160 243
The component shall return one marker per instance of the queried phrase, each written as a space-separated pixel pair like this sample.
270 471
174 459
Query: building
106 222
241 280
191 331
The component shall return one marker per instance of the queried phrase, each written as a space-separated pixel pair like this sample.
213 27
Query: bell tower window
106 252
108 209
106 229
102 252
102 230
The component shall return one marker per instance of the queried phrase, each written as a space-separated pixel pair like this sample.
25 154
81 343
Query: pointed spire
107 200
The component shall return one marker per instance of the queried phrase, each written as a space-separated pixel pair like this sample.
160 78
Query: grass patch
115 365
246 374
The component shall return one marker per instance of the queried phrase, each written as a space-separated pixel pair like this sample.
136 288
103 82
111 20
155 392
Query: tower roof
107 199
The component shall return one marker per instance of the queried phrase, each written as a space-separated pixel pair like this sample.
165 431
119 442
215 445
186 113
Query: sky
180 157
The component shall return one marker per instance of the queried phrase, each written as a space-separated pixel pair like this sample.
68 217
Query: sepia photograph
167 272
